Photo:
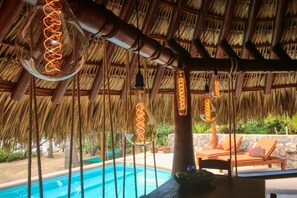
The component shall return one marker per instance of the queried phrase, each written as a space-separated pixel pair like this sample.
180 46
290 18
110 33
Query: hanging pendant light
57 45
208 111
216 89
181 89
141 125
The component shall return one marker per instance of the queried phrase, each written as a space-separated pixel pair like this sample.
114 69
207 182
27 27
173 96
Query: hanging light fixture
181 86
208 111
181 89
57 45
216 89
141 129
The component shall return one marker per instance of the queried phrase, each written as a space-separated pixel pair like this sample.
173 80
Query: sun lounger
222 150
246 159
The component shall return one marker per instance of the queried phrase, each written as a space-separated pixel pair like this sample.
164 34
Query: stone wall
286 147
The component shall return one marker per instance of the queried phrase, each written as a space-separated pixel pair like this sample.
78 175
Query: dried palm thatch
55 119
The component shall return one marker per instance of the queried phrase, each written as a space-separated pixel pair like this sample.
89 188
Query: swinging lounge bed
245 159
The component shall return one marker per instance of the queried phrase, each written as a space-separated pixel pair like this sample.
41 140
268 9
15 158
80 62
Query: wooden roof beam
240 77
126 12
21 86
201 65
250 27
147 24
171 31
61 89
8 87
9 11
226 26
278 31
200 25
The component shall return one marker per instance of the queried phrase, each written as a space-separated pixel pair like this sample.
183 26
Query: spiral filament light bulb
141 126
58 45
208 111
52 33
216 89
181 92
140 122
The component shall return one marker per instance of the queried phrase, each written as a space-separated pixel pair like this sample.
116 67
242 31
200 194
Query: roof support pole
183 142
183 139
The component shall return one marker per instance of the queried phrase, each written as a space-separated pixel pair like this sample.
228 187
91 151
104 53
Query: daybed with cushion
259 155
222 149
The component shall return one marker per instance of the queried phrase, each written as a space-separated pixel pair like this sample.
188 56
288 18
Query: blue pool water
58 187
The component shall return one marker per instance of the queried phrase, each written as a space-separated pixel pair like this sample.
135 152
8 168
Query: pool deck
163 161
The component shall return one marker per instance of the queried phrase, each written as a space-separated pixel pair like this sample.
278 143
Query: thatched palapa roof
268 26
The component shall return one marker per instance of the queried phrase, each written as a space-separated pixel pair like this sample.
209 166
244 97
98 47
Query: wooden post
213 135
183 143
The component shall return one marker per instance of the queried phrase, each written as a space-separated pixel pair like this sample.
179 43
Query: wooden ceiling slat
200 24
226 26
277 34
126 12
250 27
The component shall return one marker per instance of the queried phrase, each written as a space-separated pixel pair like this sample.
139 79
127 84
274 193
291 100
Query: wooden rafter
250 26
200 24
278 31
133 67
253 50
21 86
126 12
250 29
8 13
8 87
201 49
226 26
280 52
62 86
240 77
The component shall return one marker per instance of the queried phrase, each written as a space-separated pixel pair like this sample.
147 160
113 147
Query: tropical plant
163 131
201 127
293 123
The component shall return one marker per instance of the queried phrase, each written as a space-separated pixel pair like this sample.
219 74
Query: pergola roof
222 27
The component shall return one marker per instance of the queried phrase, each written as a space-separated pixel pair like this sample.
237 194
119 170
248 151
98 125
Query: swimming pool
58 186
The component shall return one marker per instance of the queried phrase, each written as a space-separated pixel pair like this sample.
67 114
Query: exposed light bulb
216 89
141 128
57 45
181 92
208 111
